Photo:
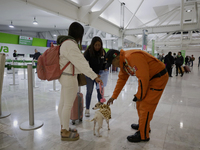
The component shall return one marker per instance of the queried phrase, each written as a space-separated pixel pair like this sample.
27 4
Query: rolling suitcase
77 109
187 69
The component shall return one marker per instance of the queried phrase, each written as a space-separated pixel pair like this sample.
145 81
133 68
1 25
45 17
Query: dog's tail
92 120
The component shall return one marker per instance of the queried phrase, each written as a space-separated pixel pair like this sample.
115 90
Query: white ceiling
158 16
22 13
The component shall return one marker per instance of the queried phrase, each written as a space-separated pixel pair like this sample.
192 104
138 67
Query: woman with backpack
95 56
70 52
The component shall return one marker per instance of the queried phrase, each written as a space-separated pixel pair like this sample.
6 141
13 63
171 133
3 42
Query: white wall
21 49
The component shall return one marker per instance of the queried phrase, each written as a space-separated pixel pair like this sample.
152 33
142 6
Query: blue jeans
90 86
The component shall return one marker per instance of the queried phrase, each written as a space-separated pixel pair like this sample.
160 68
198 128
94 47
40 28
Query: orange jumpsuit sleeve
138 61
122 78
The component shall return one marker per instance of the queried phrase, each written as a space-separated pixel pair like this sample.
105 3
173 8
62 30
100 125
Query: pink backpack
48 67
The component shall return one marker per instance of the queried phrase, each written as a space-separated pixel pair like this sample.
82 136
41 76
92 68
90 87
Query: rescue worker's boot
136 138
136 127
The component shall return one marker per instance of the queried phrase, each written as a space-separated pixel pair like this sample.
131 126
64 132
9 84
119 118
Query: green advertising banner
183 54
153 47
24 40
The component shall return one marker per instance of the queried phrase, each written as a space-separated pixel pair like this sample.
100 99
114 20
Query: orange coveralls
144 66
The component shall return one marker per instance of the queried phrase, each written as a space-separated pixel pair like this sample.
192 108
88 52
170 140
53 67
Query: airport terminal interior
154 26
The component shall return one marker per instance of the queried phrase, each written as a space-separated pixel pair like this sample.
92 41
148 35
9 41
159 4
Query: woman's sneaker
87 113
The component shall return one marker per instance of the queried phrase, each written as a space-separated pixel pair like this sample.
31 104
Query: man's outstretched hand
110 101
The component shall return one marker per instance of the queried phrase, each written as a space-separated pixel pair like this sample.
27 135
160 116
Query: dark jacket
169 60
179 60
96 62
36 55
14 55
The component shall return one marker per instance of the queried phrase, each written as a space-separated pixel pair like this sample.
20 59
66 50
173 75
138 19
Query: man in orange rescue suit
152 79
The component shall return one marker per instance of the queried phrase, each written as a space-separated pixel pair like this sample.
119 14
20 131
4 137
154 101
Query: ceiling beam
84 10
94 15
177 42
134 15
182 10
67 10
161 29
159 16
173 17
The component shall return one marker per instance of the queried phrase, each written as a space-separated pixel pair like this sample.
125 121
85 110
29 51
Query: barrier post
13 69
2 66
33 72
24 71
31 124
54 86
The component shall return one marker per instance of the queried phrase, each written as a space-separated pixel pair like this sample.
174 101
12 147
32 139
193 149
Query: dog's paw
108 128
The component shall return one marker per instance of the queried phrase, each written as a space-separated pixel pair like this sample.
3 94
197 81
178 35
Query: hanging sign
24 40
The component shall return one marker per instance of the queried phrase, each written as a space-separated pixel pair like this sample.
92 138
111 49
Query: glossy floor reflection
175 126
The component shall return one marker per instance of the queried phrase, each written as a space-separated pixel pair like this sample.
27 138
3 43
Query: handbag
81 80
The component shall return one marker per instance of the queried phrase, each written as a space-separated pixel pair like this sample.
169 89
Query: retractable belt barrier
9 66
21 61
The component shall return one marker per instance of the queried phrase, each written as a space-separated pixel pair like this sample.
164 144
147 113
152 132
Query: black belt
159 74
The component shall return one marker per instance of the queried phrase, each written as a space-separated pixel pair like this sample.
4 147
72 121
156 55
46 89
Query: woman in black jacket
179 63
95 56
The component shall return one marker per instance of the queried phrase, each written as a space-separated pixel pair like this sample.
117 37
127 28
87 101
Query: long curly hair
91 48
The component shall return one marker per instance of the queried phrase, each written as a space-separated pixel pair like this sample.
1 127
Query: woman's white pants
69 89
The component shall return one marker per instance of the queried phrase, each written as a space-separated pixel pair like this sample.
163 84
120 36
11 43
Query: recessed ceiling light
189 10
35 22
54 35
11 25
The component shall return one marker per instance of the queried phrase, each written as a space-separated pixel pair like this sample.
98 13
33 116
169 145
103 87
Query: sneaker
87 113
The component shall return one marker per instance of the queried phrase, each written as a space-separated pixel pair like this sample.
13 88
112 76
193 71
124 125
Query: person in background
159 56
162 58
179 63
192 59
152 79
94 54
186 60
169 61
15 53
70 52
36 56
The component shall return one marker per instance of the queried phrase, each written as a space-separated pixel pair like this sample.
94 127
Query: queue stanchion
31 124
13 69
2 66
34 80
24 71
54 86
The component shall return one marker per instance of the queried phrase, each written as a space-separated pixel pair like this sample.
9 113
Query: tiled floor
175 126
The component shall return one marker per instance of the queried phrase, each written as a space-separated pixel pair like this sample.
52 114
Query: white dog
104 112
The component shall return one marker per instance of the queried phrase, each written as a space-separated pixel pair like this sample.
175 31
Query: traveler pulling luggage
187 69
77 109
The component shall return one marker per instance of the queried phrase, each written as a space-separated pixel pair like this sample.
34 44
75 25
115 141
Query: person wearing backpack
70 52
94 54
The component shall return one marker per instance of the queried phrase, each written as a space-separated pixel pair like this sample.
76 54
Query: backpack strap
65 66
69 61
